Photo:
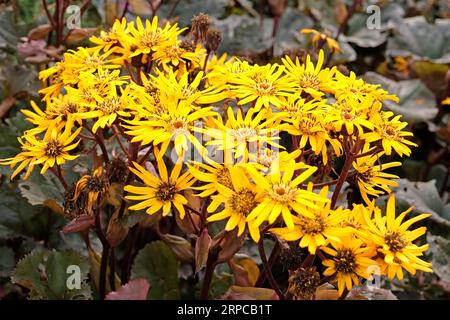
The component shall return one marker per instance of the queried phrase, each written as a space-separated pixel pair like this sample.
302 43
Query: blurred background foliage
409 54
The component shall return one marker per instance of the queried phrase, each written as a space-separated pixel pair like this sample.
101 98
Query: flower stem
350 157
268 271
209 272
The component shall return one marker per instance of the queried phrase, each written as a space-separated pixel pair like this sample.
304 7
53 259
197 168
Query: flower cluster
258 145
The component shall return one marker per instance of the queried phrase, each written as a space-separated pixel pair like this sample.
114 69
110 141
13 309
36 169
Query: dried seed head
116 170
292 256
73 208
303 283
213 39
200 26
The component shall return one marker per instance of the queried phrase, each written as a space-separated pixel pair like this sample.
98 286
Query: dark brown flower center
345 261
166 191
394 241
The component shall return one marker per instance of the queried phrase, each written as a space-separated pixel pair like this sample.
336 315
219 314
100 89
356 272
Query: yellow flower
53 149
350 87
238 202
446 101
222 75
350 260
86 60
319 38
177 124
395 241
311 130
321 224
351 116
283 196
173 55
370 177
114 37
145 39
389 133
401 64
24 159
243 135
213 174
185 89
295 107
160 192
270 160
108 109
312 80
263 85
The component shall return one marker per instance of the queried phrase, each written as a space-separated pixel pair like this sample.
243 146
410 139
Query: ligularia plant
218 151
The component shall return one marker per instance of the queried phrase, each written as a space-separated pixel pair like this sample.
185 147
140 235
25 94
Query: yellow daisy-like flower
370 177
173 55
113 37
283 196
213 174
24 159
54 148
264 85
185 89
176 123
350 116
243 135
348 87
319 38
222 75
395 241
270 160
350 260
160 192
317 226
311 79
390 133
145 39
311 130
108 109
87 60
238 202
294 107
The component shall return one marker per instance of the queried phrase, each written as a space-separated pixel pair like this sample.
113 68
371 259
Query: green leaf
158 264
425 198
7 261
40 188
291 22
18 217
45 273
417 103
8 35
220 284
240 33
440 248
415 36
